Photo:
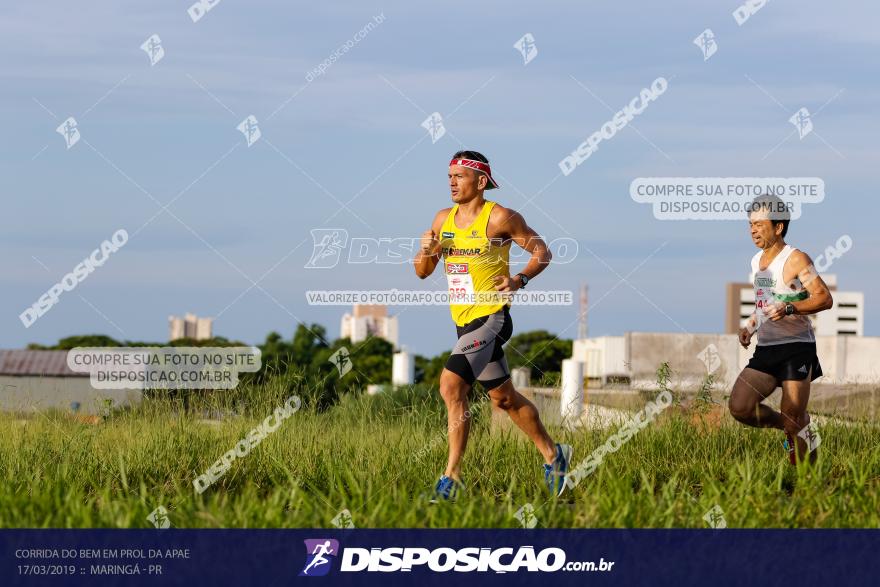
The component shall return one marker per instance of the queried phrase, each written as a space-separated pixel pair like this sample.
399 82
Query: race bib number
461 288
763 299
460 282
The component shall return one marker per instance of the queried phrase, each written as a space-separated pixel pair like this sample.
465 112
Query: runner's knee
741 410
453 389
505 397
501 400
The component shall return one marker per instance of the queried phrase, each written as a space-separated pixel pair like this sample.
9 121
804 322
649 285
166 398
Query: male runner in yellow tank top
472 242
787 289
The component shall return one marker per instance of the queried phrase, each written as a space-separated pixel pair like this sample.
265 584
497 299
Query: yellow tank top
471 262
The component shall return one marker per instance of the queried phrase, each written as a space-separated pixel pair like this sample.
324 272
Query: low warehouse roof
39 363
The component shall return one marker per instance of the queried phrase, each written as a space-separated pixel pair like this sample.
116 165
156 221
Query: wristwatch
789 309
523 278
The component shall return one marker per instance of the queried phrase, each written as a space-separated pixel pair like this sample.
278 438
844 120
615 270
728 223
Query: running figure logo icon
710 357
810 434
706 43
526 516
153 48
527 47
250 128
68 129
802 121
341 359
343 520
327 246
159 518
317 552
434 125
715 518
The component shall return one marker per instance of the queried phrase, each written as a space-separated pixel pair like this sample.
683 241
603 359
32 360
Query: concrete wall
844 359
645 351
857 359
603 357
31 394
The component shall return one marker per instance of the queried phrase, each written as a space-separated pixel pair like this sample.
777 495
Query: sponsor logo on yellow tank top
456 268
453 252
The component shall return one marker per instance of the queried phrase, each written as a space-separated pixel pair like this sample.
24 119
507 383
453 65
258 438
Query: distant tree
540 350
276 357
85 340
308 352
216 341
370 360
307 342
421 363
428 370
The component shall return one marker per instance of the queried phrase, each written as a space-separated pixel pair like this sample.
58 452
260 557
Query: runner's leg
455 390
470 357
525 415
751 388
795 395
495 378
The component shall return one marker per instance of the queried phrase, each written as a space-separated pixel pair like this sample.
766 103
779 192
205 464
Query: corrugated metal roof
45 363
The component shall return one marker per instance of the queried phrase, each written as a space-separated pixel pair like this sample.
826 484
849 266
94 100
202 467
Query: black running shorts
791 361
478 355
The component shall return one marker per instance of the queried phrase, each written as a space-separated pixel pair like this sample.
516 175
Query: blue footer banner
428 557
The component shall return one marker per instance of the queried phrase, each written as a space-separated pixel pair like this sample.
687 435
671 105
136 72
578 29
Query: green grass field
378 457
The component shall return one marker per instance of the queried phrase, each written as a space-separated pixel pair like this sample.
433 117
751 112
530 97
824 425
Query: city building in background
369 320
190 326
845 318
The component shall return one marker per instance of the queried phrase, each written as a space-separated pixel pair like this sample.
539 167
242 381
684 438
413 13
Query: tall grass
379 456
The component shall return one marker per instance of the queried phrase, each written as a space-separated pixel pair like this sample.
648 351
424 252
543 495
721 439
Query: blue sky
169 131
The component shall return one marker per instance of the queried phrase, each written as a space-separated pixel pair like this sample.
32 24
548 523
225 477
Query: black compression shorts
791 361
479 354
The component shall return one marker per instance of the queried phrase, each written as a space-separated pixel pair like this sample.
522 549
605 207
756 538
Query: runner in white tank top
771 288
787 289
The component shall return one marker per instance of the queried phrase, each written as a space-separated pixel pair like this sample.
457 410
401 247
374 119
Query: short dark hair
470 155
777 209
491 184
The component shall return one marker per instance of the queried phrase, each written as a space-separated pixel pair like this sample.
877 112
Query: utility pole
582 314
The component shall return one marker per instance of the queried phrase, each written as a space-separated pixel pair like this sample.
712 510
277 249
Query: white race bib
763 299
461 283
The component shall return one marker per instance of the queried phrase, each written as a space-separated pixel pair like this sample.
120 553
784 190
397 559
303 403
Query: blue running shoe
554 475
446 489
788 445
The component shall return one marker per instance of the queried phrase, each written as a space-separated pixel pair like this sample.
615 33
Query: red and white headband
479 166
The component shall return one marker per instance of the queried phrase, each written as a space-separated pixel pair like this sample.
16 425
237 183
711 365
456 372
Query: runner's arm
748 331
428 255
752 323
819 299
524 236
